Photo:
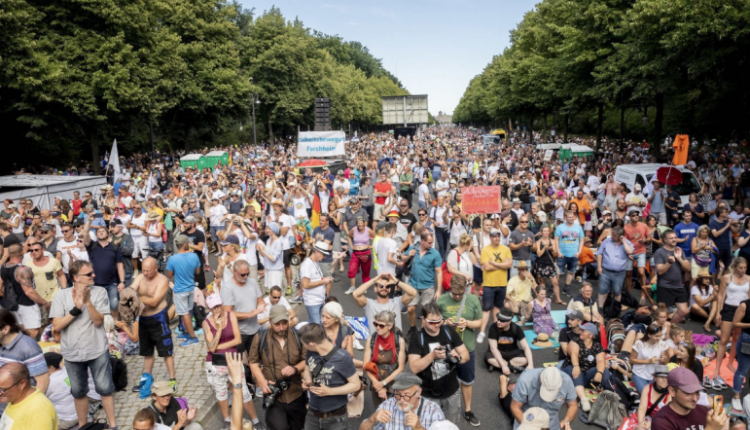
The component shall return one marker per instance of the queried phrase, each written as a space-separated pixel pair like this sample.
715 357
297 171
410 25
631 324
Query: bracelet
75 312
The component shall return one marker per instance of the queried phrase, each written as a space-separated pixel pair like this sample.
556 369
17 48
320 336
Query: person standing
241 296
329 376
426 275
315 287
153 323
722 229
657 199
383 285
612 262
570 237
382 191
470 320
277 356
78 315
686 231
184 268
670 267
287 239
431 361
123 241
324 233
28 407
521 243
19 278
496 259
106 260
637 234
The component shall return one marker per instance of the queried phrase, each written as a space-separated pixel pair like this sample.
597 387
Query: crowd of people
126 270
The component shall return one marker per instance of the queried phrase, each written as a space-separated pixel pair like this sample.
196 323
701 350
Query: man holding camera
434 353
279 350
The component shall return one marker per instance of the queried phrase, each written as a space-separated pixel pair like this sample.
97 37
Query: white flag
114 161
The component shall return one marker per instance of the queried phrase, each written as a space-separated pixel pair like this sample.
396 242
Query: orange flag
681 145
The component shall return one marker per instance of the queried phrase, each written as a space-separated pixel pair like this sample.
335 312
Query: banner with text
481 200
320 143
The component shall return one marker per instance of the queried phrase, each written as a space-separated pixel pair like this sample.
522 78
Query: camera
448 357
276 389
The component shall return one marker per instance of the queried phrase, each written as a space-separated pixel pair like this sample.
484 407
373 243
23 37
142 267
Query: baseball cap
505 315
534 418
591 328
551 381
576 315
161 388
230 240
181 240
684 379
190 219
637 187
214 300
278 313
495 232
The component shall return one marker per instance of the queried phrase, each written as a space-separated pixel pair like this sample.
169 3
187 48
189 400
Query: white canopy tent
42 189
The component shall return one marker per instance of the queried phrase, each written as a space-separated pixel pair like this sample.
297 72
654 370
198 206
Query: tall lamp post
255 101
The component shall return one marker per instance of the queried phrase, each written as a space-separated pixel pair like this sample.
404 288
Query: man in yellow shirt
27 407
518 293
495 259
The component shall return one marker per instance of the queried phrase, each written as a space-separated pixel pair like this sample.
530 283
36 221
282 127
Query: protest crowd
459 254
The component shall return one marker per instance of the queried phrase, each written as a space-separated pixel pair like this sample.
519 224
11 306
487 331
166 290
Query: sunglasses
243 275
422 214
379 325
66 231
435 323
35 249
86 274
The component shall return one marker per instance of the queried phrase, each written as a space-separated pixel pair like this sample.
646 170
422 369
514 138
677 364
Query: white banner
114 161
320 143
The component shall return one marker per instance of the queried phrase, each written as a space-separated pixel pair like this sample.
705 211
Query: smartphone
718 404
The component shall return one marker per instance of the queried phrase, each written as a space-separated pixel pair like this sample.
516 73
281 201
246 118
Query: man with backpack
434 355
277 360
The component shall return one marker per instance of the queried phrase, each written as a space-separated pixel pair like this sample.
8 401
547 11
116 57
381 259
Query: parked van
631 174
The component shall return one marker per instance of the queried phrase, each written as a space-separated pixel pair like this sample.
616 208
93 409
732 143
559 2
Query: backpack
263 344
448 276
120 373
100 424
606 412
612 308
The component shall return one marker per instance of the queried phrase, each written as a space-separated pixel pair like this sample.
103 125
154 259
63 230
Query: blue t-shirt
570 238
722 242
689 231
423 268
183 267
745 249
335 373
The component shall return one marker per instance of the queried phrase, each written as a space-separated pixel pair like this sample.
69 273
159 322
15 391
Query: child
587 262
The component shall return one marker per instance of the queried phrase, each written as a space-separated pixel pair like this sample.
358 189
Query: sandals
561 303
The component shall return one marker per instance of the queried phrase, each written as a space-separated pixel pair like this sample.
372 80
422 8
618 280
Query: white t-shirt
216 215
695 291
312 296
140 222
218 194
632 200
285 221
485 242
264 314
463 265
248 245
384 247
300 206
423 190
62 247
436 214
343 183
645 352
227 276
58 393
442 184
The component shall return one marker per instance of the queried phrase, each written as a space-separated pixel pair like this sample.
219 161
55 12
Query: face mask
660 390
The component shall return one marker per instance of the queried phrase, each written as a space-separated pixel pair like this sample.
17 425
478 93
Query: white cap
551 381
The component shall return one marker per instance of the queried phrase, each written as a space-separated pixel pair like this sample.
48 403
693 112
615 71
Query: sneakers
480 337
357 345
473 420
198 332
350 290
191 341
289 290
297 299
183 336
707 382
173 385
585 404
566 291
719 384
736 404
136 388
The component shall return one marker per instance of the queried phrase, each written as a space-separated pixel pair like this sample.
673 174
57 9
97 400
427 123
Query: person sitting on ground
569 334
509 349
585 303
650 351
518 294
585 363
654 397
703 301
170 411
58 392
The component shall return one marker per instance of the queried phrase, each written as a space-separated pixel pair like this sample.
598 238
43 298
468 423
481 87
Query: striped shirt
429 412
25 350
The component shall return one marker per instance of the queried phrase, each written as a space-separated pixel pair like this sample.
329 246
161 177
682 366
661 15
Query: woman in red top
386 360
654 397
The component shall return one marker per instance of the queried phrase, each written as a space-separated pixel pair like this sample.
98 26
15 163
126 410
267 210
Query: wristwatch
238 386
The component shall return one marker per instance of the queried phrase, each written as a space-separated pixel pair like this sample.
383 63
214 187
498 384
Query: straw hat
153 216
542 340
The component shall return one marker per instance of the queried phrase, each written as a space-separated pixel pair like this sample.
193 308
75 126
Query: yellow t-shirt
495 278
519 290
45 278
34 412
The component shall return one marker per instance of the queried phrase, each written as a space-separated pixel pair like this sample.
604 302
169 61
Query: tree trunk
270 130
658 120
187 136
544 125
555 118
622 127
531 129
567 120
94 141
599 122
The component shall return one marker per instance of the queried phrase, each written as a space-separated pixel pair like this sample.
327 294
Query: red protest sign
481 200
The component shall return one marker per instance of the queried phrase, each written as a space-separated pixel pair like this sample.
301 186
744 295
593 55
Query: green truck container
195 161
216 157
567 151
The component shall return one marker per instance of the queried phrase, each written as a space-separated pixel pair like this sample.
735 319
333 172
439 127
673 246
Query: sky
434 47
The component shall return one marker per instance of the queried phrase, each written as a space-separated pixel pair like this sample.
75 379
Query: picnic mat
530 336
557 316
724 372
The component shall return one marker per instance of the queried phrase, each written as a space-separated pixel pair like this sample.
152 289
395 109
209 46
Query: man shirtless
153 327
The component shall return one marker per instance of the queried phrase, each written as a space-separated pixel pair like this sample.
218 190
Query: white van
631 174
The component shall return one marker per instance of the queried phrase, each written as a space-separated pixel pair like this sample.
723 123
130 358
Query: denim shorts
113 295
213 231
640 259
183 302
466 371
571 263
611 281
101 372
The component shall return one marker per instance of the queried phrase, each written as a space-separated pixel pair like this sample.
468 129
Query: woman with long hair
222 334
701 246
547 251
744 241
654 397
153 232
361 259
703 302
733 290
384 357
66 210
649 351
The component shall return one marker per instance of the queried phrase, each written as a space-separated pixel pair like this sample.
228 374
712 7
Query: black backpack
119 373
100 424
612 308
